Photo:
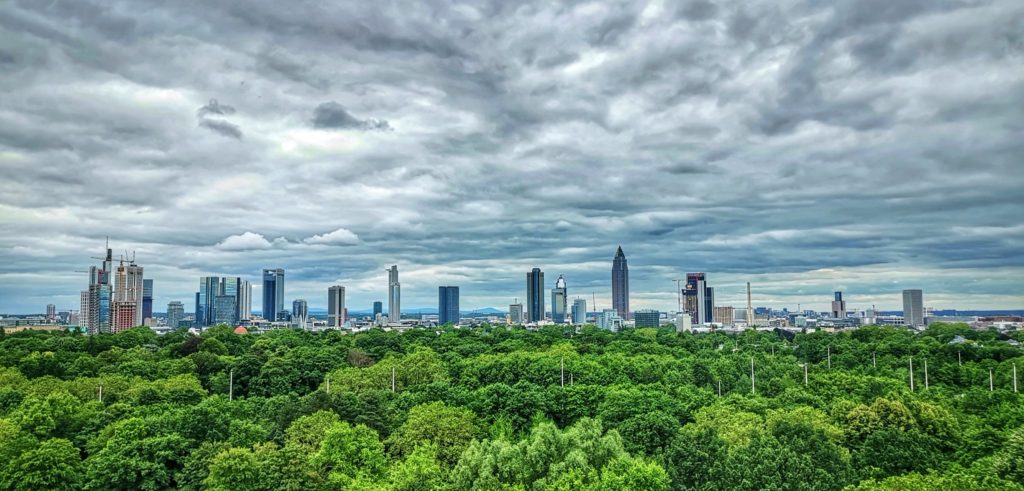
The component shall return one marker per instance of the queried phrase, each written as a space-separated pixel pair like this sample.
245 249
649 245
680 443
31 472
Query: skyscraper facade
300 312
559 301
515 313
620 284
535 295
700 299
225 309
206 297
222 300
448 305
147 299
175 314
579 311
913 308
244 300
838 306
96 306
127 300
378 308
336 306
646 318
51 312
394 295
273 293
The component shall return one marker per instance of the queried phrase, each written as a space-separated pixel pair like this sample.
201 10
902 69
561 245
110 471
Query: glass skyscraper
147 299
273 293
448 305
579 311
535 295
336 306
913 308
378 308
559 302
394 295
620 284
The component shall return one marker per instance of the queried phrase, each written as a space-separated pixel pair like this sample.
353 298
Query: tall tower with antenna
750 308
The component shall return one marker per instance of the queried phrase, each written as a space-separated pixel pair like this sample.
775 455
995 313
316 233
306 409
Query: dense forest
498 408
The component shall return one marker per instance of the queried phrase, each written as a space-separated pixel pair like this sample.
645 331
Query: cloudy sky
805 146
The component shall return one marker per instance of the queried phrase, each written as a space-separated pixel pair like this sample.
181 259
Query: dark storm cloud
331 115
806 146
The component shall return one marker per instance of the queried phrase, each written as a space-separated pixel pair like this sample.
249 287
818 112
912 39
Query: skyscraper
244 300
700 299
127 300
175 314
913 308
206 298
96 299
273 293
838 306
515 313
222 300
51 312
300 312
147 299
336 306
620 284
535 295
394 295
647 318
559 301
225 308
378 308
448 305
579 311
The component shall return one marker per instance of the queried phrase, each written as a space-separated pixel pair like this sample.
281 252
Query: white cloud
244 242
341 236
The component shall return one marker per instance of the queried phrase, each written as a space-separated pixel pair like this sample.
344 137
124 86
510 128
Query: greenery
494 408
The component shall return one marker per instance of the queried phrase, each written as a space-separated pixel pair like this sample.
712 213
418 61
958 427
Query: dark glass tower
535 295
147 299
448 305
273 293
620 284
378 308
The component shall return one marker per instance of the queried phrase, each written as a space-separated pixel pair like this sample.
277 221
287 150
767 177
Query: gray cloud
805 146
331 115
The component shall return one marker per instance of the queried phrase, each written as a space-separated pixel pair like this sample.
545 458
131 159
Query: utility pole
873 363
392 379
926 374
328 384
805 374
570 379
959 363
830 356
101 393
231 385
752 388
1014 377
679 296
991 387
911 373
719 388
563 372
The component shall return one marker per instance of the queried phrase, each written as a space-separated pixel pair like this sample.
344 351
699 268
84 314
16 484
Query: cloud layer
862 145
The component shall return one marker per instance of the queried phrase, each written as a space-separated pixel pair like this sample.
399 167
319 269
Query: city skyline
804 147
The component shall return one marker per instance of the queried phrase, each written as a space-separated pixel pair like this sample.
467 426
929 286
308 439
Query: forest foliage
493 408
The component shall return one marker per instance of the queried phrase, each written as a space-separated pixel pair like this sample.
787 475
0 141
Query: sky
865 145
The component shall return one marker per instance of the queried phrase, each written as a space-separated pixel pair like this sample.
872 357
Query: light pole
231 385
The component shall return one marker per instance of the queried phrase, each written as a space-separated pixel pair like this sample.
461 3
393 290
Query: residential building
559 302
579 311
273 293
448 305
620 284
646 318
336 306
515 314
913 308
535 295
51 312
394 295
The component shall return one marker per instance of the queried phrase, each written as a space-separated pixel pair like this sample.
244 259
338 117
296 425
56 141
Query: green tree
448 428
54 465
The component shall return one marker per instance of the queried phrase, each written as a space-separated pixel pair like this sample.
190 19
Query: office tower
96 306
378 308
300 312
535 295
83 310
225 308
724 315
336 306
579 311
127 301
51 312
394 295
244 300
646 318
559 302
175 314
147 299
206 298
913 308
610 320
515 313
273 293
699 298
620 284
448 305
838 306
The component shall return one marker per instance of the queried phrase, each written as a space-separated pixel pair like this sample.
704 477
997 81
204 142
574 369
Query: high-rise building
300 312
336 306
209 288
225 309
838 306
535 295
175 314
620 284
394 295
378 308
127 300
83 311
273 293
610 320
700 299
51 312
579 311
448 305
515 313
646 318
913 308
244 300
559 301
725 315
222 300
147 299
